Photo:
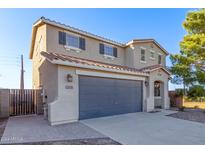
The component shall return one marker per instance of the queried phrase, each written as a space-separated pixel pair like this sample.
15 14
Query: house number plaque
68 87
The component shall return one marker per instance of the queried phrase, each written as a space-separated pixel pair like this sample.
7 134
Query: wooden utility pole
22 74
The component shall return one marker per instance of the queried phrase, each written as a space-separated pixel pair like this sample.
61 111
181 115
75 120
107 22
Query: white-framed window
142 54
108 50
159 59
72 41
157 92
152 55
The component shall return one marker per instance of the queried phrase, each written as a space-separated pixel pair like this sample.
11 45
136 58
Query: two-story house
87 76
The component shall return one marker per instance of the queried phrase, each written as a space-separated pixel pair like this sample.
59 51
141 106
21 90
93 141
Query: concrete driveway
149 128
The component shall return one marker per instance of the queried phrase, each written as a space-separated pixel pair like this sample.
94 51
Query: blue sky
164 25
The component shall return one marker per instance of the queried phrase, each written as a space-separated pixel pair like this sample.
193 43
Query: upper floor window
152 54
142 54
71 40
159 59
108 50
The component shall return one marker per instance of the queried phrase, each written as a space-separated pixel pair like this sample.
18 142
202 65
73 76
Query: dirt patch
200 105
196 115
3 122
94 141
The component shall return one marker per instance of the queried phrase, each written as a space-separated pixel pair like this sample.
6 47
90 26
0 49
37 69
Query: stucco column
150 95
145 95
166 96
65 108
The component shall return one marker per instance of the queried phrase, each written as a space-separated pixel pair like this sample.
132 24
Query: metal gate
24 102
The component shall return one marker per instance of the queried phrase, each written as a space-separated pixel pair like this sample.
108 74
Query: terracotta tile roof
56 56
153 67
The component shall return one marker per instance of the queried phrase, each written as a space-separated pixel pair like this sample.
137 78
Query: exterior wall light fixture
146 83
69 78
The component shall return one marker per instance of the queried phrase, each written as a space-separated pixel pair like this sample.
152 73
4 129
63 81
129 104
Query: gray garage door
105 96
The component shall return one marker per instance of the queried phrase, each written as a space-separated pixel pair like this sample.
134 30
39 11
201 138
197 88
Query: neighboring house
88 76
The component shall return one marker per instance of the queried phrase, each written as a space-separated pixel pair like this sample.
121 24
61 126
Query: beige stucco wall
129 56
44 74
65 108
133 55
91 52
48 76
37 59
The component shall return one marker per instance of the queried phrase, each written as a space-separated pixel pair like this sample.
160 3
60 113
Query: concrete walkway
35 129
149 128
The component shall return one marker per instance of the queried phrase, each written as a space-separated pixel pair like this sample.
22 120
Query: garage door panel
105 96
98 98
91 90
127 83
95 81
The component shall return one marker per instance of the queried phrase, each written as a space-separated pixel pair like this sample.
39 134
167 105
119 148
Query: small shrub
181 108
196 93
196 107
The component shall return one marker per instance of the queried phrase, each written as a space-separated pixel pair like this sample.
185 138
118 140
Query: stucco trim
67 63
147 41
107 75
159 68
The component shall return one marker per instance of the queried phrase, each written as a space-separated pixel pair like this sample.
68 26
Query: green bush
179 92
196 93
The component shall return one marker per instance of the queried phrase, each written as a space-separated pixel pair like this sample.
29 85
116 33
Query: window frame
144 59
157 89
159 58
152 53
106 53
70 45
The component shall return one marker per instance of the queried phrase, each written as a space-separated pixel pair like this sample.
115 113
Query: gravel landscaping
196 115
93 141
3 122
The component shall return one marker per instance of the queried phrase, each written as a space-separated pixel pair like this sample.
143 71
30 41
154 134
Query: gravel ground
95 141
3 122
196 115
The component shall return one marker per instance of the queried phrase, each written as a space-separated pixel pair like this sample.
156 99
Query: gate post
4 103
39 101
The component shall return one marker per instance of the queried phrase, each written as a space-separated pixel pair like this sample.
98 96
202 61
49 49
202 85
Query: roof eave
145 41
63 26
152 70
66 63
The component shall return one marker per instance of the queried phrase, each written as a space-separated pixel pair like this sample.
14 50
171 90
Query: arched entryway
158 94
